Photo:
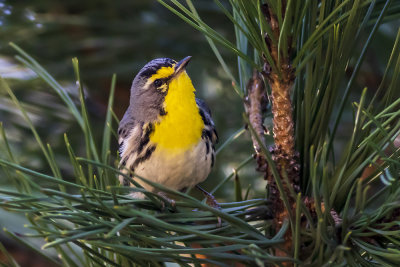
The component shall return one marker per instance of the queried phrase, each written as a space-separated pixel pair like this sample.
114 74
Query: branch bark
280 79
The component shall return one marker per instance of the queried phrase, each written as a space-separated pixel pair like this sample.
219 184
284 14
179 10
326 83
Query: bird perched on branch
166 135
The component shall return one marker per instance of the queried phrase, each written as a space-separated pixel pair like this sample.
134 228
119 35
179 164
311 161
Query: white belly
177 170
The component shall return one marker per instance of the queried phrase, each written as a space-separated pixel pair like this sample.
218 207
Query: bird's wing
205 113
125 129
129 132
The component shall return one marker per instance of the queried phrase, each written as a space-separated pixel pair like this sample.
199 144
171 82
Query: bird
166 135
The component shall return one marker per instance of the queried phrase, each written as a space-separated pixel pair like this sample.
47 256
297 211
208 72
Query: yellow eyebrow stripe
162 73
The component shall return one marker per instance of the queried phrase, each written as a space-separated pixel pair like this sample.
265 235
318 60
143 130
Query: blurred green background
107 38
120 37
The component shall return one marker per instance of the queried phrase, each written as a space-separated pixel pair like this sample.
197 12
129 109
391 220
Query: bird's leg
167 199
211 201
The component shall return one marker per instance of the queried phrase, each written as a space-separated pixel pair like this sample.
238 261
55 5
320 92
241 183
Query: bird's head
155 80
157 75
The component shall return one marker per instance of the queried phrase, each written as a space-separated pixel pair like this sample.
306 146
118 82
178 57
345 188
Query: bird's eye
158 83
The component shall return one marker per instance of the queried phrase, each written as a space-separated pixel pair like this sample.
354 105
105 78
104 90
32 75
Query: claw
212 202
167 199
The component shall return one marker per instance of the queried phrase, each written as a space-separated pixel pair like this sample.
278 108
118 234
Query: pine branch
281 81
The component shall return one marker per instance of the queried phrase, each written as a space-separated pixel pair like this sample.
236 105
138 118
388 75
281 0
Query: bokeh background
120 37
109 38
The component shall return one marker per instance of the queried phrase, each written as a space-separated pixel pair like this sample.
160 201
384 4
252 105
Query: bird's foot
168 200
212 202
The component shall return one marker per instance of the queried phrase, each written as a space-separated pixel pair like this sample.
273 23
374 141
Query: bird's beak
181 65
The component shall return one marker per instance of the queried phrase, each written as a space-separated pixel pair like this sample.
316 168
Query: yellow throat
182 125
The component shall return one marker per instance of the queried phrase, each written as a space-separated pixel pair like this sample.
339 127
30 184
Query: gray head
150 87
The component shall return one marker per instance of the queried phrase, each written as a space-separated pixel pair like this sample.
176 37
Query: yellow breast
182 125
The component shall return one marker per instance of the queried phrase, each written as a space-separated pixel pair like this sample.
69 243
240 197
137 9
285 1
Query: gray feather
145 103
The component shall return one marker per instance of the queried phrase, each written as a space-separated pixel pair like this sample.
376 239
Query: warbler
167 135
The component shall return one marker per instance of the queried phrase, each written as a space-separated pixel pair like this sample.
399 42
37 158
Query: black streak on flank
206 135
120 147
145 157
207 147
145 138
212 159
